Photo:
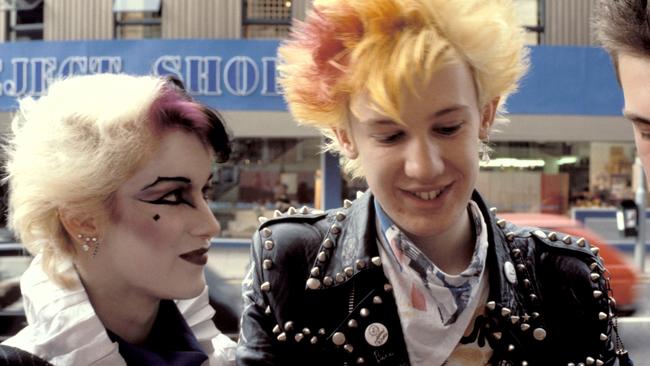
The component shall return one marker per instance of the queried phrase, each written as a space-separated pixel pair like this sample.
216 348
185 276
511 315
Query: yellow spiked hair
346 47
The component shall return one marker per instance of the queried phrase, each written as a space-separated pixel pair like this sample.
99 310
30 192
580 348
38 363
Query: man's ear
76 224
348 147
488 114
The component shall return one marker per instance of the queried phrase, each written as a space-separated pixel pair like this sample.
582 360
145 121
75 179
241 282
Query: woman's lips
198 257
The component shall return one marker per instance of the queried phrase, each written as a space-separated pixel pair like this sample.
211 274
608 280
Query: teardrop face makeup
159 235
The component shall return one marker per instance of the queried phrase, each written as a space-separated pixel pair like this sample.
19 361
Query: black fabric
18 357
547 315
170 342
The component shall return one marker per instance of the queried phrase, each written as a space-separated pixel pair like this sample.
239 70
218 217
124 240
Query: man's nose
423 160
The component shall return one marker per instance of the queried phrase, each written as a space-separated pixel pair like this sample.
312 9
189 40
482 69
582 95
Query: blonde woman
107 175
417 270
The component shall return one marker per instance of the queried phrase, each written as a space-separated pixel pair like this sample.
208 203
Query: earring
87 241
483 152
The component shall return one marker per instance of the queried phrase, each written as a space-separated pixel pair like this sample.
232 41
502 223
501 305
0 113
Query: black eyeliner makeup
167 179
177 194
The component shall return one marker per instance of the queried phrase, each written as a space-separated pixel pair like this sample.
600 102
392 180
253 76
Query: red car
624 276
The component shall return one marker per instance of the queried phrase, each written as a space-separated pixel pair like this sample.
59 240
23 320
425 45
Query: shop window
553 177
266 18
24 19
137 19
531 15
264 175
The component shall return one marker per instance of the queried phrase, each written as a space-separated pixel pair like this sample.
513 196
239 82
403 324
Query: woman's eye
174 197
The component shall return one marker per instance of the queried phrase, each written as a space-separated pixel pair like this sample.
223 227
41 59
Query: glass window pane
136 5
553 177
263 175
528 16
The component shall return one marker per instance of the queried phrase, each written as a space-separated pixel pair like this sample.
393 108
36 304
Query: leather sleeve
255 343
16 356
282 252
577 302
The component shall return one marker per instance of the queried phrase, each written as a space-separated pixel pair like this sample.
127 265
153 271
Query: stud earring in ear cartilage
87 241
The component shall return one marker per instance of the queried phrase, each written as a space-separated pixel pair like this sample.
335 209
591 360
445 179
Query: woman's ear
487 118
345 139
76 225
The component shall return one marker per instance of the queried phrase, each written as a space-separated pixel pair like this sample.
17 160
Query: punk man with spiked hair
417 270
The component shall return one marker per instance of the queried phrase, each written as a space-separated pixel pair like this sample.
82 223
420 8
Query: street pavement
635 329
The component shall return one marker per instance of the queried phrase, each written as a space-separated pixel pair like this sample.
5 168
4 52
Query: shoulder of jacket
563 278
304 215
294 226
301 242
548 239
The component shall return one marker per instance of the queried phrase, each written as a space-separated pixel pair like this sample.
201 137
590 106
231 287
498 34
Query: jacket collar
350 247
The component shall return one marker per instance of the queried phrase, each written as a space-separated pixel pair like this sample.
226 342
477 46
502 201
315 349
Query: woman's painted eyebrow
168 179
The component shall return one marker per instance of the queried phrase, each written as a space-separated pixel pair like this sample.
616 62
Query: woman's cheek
154 229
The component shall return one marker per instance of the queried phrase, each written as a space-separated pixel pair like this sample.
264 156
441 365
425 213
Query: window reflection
264 175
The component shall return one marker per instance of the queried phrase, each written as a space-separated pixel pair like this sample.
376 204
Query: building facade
554 160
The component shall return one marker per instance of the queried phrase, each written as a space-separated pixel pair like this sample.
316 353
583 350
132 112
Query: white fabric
476 351
425 307
64 329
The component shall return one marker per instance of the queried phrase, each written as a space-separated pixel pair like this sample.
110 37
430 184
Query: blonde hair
346 47
73 147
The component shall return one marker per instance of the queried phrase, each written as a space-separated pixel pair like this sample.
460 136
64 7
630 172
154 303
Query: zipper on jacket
351 300
350 310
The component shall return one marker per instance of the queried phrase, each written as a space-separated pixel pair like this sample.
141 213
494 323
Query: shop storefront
565 145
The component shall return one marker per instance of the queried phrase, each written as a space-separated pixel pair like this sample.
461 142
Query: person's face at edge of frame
161 215
423 173
634 75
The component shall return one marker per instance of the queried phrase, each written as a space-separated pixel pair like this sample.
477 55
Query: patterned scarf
422 289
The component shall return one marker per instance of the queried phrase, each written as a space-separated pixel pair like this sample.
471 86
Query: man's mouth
198 257
429 195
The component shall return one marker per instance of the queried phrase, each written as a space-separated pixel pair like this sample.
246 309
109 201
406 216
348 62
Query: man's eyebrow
383 121
451 109
635 118
380 121
168 179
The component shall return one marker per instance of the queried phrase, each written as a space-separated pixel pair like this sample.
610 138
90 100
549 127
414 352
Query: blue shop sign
241 74
227 74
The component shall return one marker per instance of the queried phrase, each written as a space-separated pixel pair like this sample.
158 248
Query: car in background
624 278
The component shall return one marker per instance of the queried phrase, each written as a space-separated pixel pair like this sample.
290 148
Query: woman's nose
207 225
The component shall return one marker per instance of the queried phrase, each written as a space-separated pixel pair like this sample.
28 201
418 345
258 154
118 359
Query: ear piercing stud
87 241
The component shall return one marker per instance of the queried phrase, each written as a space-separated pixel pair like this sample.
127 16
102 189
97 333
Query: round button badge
510 272
376 334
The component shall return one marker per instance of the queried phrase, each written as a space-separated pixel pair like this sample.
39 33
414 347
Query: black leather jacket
316 283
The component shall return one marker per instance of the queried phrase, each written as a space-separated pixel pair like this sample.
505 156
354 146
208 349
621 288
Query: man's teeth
427 195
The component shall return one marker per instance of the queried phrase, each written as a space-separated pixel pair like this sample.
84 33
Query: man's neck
452 250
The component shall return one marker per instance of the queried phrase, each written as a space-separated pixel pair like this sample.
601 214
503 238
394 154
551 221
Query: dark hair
623 26
176 108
